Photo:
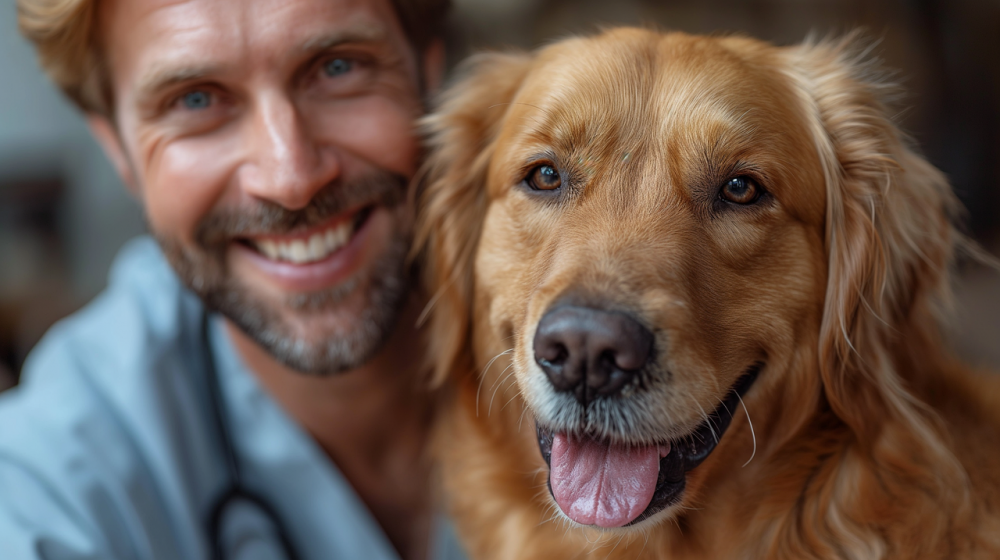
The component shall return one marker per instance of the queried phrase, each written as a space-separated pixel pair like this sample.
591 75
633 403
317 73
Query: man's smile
311 245
317 258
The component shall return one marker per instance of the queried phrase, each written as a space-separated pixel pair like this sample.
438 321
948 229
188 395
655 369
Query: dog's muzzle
598 482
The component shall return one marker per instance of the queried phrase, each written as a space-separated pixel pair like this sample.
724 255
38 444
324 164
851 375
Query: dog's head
659 228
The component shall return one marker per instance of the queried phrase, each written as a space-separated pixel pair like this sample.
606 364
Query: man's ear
107 136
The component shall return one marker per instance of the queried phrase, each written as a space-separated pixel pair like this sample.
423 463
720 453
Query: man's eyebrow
168 74
162 77
370 33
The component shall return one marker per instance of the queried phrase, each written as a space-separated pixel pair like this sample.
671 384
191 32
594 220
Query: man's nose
287 164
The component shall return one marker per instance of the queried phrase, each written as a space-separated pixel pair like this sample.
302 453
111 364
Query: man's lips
312 244
611 485
313 259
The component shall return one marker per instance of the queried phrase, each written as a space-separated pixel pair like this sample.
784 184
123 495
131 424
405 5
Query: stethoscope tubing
235 491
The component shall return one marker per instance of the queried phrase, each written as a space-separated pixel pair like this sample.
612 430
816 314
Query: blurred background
64 214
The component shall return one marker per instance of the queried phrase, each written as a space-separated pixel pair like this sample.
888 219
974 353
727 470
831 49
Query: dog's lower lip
686 452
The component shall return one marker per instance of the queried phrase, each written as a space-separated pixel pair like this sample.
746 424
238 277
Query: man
271 144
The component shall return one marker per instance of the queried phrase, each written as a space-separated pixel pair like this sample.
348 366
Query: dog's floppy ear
889 239
452 200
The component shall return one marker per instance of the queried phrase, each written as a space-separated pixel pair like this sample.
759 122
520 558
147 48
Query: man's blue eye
196 100
337 66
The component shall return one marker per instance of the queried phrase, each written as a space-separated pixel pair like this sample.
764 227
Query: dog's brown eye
544 178
740 190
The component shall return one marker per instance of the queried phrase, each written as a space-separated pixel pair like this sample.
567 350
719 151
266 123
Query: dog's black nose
590 352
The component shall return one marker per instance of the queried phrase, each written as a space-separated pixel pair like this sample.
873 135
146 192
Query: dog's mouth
597 482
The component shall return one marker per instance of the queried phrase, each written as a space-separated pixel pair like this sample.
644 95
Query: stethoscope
241 523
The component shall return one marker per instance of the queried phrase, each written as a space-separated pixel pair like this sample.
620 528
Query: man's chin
322 332
315 346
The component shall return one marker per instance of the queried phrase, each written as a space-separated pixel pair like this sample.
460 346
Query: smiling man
247 385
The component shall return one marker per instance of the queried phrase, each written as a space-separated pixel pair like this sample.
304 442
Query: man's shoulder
108 403
139 319
123 358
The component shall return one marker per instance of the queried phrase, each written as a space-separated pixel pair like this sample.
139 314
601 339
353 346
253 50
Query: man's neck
373 423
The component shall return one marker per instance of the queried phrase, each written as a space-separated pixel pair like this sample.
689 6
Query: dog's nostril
554 354
609 361
590 352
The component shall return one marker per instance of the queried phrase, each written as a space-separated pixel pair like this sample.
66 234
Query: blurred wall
42 134
63 212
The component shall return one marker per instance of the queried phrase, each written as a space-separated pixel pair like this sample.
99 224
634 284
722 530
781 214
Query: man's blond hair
66 36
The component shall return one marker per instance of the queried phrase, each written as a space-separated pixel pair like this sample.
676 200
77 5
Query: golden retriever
690 290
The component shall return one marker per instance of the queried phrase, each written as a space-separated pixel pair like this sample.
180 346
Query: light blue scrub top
108 448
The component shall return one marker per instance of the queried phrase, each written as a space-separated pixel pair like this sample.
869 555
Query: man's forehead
172 40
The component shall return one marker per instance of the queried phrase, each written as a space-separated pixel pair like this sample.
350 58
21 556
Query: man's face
271 143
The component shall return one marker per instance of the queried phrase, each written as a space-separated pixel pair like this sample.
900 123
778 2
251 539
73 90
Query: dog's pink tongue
601 484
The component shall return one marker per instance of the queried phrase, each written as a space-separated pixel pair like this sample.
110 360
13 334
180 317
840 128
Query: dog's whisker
646 542
592 540
616 545
708 421
554 517
509 400
482 376
503 379
752 435
524 409
508 388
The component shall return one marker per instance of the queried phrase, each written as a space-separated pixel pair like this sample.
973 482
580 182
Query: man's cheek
377 130
184 184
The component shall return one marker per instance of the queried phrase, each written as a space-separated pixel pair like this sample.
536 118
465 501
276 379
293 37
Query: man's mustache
379 187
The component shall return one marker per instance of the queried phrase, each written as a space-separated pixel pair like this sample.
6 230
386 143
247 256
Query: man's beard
385 284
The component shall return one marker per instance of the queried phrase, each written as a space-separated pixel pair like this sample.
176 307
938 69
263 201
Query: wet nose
590 352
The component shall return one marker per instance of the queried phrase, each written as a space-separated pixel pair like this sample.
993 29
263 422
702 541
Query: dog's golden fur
867 439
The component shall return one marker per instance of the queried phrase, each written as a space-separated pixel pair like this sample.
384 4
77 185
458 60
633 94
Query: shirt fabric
109 448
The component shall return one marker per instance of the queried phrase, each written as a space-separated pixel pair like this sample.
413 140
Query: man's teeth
300 251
